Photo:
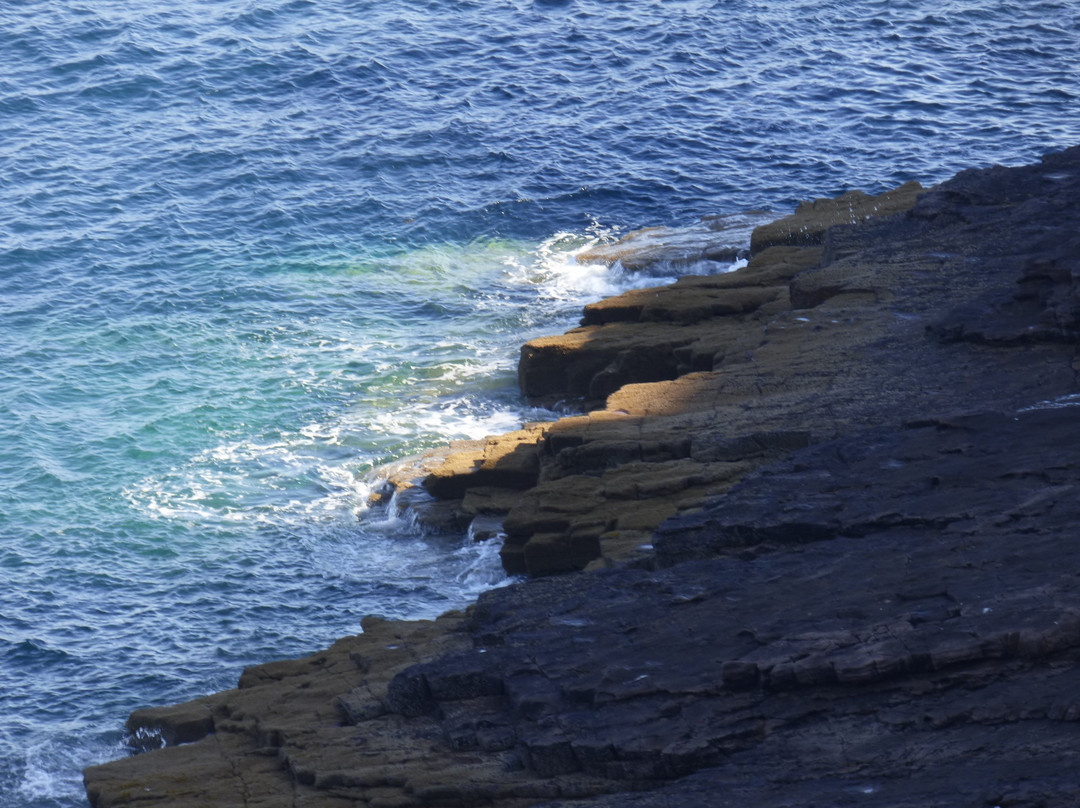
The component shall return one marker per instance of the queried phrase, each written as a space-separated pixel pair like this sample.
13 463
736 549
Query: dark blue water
251 250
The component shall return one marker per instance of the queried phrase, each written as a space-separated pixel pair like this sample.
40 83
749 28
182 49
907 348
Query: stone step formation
813 543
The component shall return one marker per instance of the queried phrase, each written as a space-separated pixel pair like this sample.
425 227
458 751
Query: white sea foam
480 567
259 480
552 268
311 473
1059 403
408 398
51 770
560 278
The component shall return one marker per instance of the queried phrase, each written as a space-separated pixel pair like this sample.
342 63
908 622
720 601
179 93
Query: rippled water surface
249 250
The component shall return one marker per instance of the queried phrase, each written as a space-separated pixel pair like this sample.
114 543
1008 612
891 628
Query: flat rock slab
923 623
811 221
714 240
971 475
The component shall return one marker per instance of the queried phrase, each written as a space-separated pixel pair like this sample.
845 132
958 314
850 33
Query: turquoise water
249 251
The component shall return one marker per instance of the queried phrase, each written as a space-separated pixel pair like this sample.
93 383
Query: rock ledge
827 503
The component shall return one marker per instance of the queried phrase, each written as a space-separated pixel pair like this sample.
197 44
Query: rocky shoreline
826 510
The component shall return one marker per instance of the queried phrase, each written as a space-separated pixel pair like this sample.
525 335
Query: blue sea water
252 249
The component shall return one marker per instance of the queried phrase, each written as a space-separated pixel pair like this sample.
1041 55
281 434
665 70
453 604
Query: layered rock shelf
813 543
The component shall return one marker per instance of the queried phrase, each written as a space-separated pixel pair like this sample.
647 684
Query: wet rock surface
831 543
715 240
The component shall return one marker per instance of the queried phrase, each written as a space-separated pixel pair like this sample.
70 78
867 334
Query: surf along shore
826 507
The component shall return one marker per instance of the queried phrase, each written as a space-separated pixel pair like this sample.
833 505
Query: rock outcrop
828 515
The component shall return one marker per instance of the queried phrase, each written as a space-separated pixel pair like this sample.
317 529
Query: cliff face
828 513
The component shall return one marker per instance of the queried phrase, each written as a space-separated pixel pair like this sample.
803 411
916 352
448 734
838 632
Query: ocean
250 250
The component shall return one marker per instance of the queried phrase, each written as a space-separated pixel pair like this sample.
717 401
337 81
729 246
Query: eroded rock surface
829 514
